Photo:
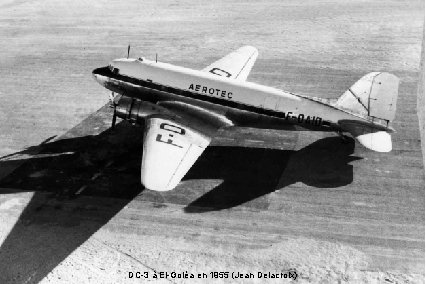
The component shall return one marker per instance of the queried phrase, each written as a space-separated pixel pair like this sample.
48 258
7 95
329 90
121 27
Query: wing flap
169 151
236 65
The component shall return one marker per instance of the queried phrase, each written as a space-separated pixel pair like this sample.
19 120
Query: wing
236 65
169 151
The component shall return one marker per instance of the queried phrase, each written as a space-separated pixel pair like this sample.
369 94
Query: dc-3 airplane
182 108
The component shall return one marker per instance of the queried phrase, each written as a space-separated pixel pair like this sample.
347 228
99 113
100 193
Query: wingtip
156 185
249 47
155 180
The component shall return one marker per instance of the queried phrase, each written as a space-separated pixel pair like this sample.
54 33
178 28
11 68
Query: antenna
128 50
155 57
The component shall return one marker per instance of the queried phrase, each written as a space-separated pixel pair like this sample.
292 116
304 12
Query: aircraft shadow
249 173
57 220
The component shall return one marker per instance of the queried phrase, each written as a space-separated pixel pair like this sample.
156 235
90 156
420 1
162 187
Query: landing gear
114 118
113 104
345 139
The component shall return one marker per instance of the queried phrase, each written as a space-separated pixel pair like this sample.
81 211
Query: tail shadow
249 173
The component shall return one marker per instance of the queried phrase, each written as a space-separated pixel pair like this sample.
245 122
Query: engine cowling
135 110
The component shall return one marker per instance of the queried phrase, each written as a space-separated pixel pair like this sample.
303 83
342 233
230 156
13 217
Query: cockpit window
113 69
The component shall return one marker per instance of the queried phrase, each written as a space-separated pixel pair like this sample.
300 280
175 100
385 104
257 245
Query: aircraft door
270 103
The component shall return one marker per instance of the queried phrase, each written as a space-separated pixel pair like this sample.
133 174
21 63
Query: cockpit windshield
113 69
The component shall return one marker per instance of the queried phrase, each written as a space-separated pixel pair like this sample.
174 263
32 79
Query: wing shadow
249 173
56 221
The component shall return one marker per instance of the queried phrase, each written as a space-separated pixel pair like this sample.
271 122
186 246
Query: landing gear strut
345 139
113 104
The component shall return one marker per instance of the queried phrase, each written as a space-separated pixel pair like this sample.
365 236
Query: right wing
236 65
169 151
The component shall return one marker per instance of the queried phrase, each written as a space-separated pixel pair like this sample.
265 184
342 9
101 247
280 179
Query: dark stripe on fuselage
105 71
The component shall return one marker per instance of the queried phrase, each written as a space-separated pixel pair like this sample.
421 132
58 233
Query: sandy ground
257 200
421 98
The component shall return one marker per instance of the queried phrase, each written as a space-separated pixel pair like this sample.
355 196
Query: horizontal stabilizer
378 141
369 135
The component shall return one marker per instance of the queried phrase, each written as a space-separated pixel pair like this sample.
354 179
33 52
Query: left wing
169 151
236 65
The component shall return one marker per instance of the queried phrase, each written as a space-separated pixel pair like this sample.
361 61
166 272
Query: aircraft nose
100 75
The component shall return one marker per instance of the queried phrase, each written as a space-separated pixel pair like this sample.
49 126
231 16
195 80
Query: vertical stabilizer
374 95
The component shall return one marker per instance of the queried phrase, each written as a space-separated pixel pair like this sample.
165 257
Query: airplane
182 109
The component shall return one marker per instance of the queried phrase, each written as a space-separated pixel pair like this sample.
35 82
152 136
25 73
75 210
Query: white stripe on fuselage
227 89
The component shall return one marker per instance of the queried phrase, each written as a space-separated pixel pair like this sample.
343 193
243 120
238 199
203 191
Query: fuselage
240 101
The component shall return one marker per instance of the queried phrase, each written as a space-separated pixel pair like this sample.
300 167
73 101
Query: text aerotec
210 91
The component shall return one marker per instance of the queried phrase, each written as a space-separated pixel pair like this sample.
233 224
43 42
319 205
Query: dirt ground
267 201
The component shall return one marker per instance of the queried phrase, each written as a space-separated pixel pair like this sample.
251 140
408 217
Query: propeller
114 117
112 98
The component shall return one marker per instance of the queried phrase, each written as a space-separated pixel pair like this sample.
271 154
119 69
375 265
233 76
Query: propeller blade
114 117
111 99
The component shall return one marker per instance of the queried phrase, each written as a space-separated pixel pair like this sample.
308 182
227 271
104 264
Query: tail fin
374 97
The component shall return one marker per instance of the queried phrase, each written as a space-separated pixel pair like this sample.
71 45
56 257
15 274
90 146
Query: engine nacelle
135 111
